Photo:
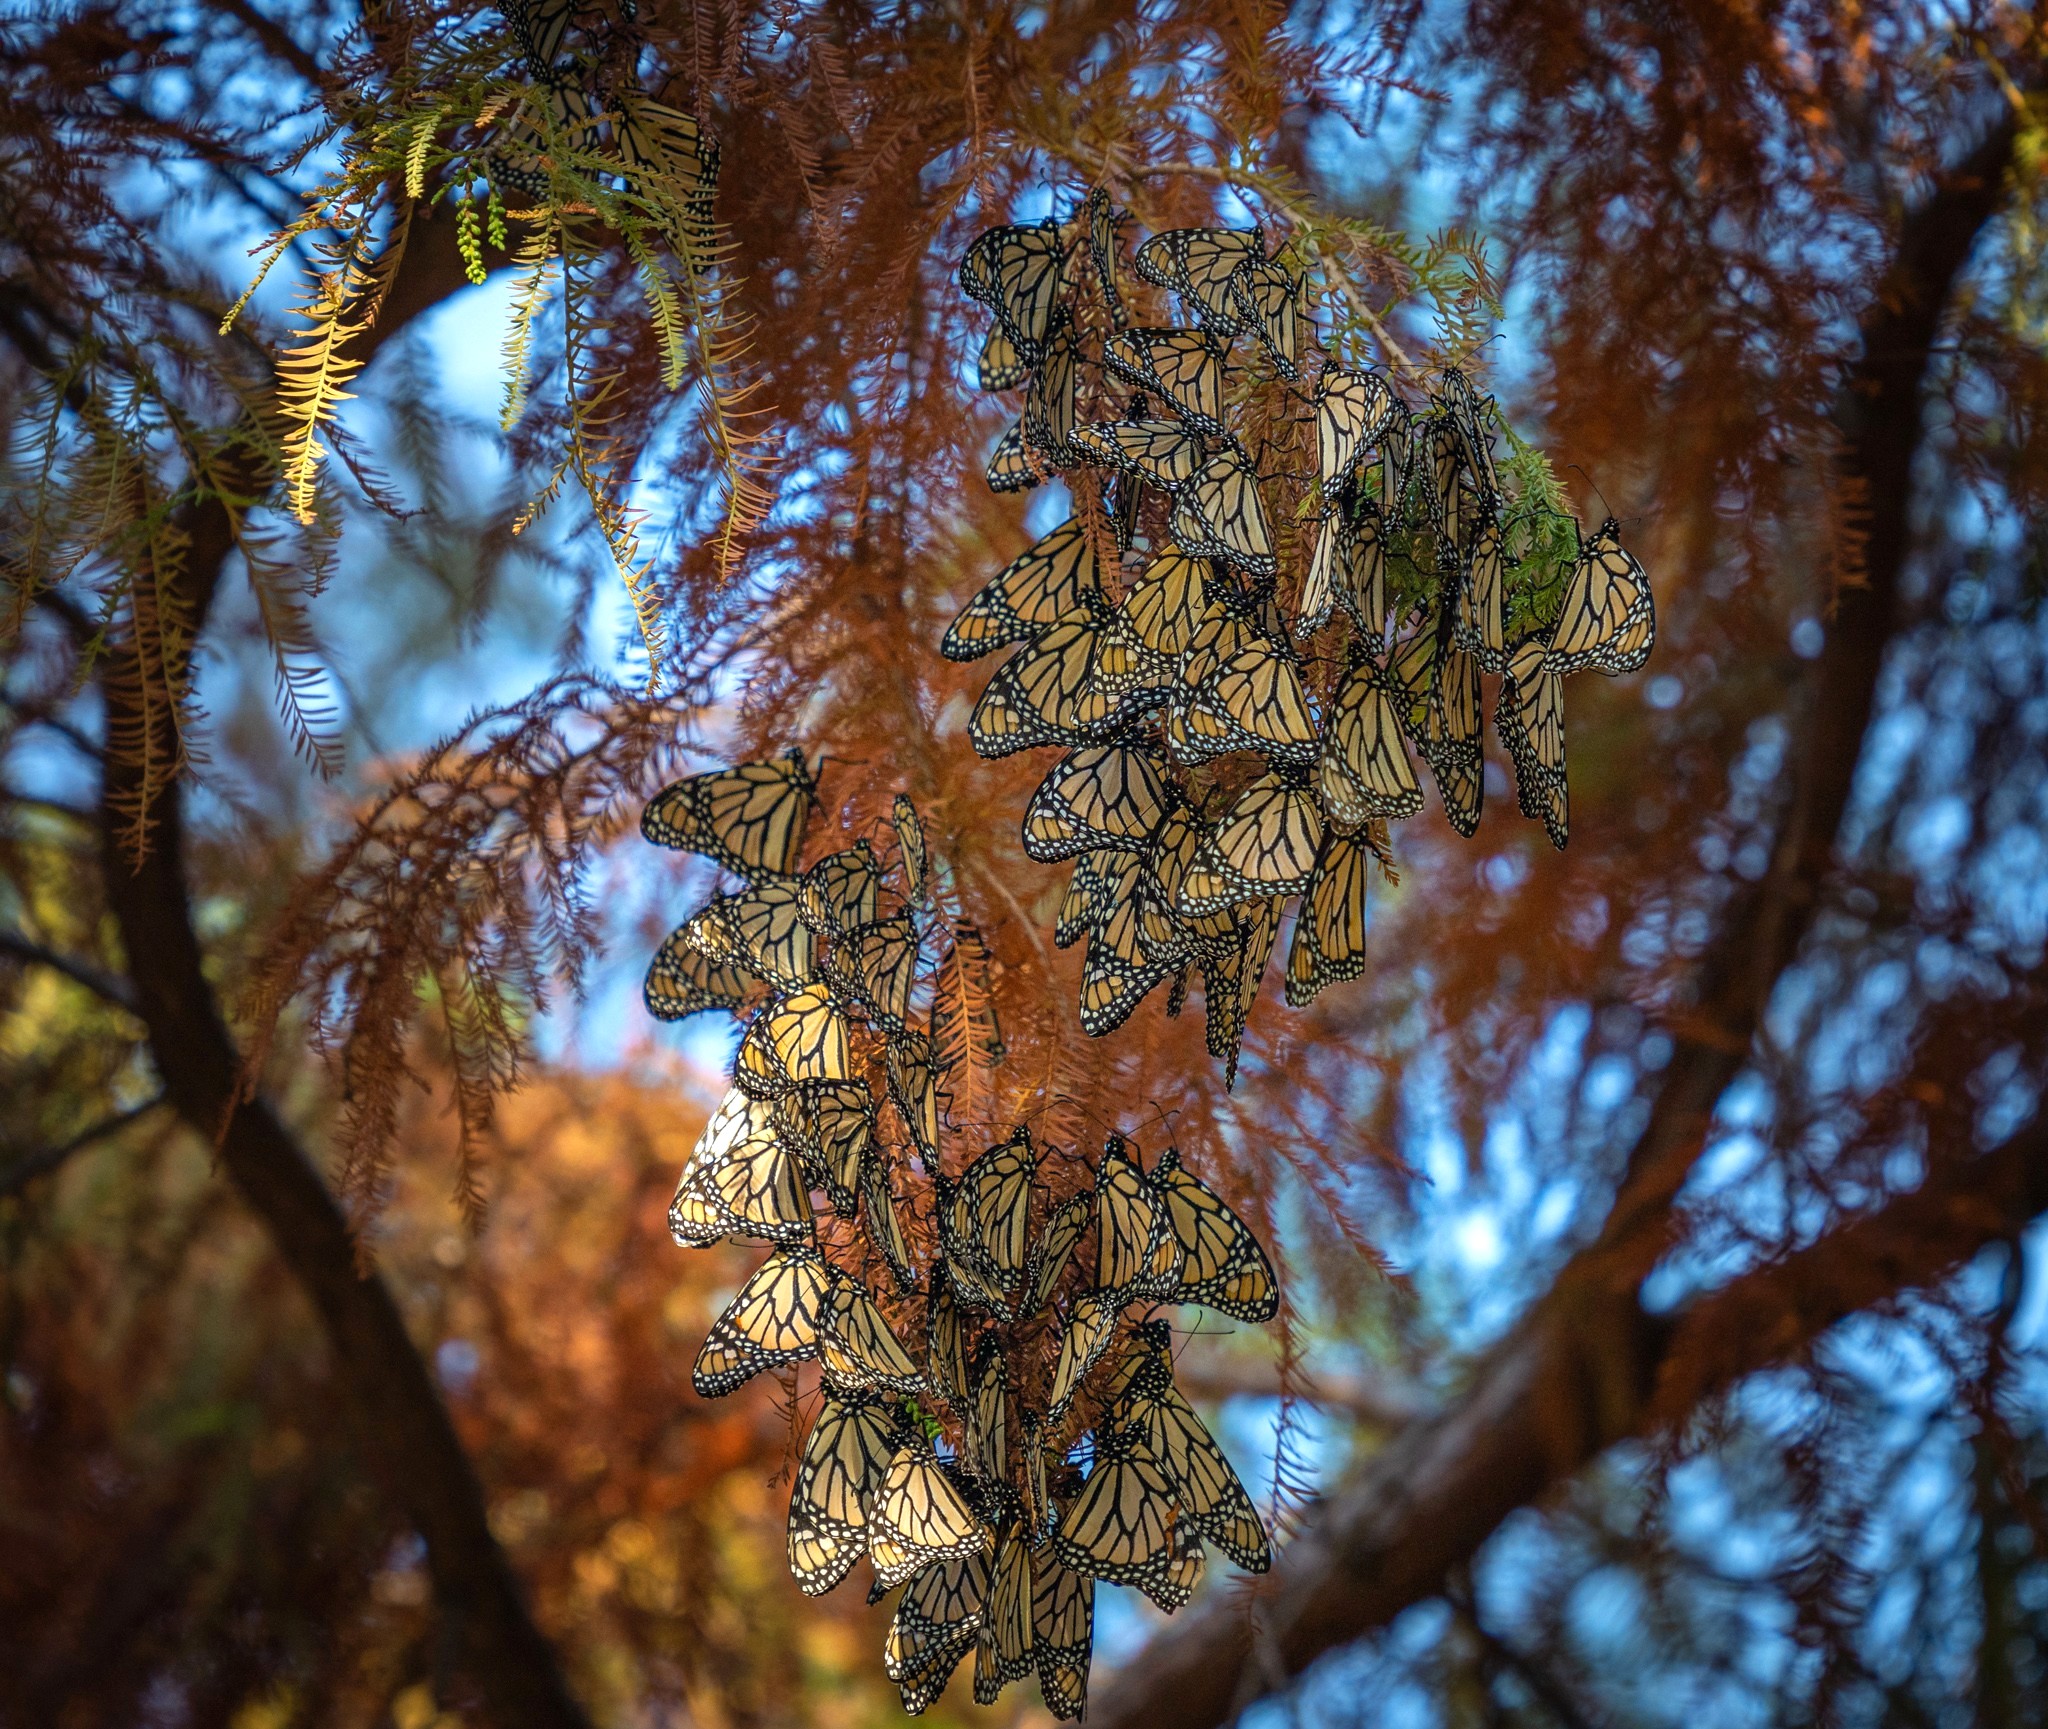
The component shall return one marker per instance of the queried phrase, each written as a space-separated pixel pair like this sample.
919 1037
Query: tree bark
1587 1367
402 1426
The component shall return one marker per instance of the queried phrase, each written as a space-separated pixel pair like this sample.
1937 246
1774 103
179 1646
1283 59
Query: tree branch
26 1167
1585 1369
95 979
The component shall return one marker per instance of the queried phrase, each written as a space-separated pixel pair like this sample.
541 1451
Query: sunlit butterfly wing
1222 1264
860 1351
1110 796
1266 845
747 1186
1255 700
877 966
916 1516
762 929
772 1321
841 891
1159 451
1609 620
936 1624
1016 271
1198 264
749 819
1011 466
845 1458
998 1186
1217 513
683 982
1043 694
794 1041
1180 366
1135 1251
1122 1528
1046 582
693 1219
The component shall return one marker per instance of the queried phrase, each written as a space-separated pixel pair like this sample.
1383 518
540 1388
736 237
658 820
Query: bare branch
80 972
24 1168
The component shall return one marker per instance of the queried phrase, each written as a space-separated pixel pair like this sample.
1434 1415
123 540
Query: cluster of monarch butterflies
618 127
1237 720
999 1426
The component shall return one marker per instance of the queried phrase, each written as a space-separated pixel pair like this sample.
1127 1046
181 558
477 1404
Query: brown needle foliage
1743 1086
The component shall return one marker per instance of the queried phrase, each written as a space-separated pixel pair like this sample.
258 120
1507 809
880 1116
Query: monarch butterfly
1198 264
1254 700
750 819
935 1625
1016 272
797 1040
945 1333
877 966
1090 1322
1011 465
998 1190
1319 588
1468 421
841 891
860 1350
1049 400
538 27
1397 461
916 1516
912 1086
885 1229
1167 602
1364 771
1004 1651
1211 1499
1043 695
1609 621
974 1282
1329 929
1222 1264
1480 629
1135 1250
1159 451
845 1458
1439 690
1054 1248
1122 1528
1362 571
1231 976
552 117
741 1181
773 1320
1353 410
1226 625
1119 972
1439 450
761 928
683 982
1062 1631
1106 796
1000 367
1267 299
916 856
1181 366
989 1431
829 1127
657 140
1530 720
1266 845
1217 513
1103 220
1087 898
1047 581
1174 1586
